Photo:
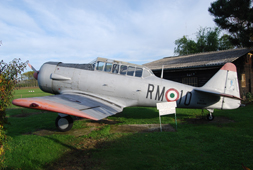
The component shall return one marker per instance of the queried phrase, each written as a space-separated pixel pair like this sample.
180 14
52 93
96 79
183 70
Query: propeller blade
35 74
32 67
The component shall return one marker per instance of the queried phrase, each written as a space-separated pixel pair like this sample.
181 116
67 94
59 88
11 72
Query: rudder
225 81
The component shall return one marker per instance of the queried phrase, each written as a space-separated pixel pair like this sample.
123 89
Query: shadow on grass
30 121
165 150
76 158
25 121
138 113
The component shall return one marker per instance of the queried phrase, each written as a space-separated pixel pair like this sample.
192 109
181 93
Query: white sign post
166 108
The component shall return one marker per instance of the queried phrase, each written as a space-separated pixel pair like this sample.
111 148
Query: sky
79 31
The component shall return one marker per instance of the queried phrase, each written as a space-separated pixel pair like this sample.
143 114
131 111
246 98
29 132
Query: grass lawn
226 143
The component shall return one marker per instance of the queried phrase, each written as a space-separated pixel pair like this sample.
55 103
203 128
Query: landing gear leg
63 122
210 116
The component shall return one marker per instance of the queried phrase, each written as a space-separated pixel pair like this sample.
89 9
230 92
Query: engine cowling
44 77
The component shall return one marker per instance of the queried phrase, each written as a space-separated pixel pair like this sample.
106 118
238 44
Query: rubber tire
209 117
66 119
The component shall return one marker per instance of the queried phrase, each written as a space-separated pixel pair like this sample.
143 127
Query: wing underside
72 104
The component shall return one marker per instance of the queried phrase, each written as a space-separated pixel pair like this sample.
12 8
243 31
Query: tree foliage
224 42
235 16
28 75
27 80
8 79
184 46
207 39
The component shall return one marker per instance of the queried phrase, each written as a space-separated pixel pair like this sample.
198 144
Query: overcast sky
78 31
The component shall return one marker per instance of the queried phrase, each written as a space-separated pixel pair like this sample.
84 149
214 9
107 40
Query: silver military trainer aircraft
104 87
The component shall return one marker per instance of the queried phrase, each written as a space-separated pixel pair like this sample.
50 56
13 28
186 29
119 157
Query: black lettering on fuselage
188 98
158 95
150 90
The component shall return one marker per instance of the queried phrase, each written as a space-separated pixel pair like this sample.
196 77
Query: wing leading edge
72 104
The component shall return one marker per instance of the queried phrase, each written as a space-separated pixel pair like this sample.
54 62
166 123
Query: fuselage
124 83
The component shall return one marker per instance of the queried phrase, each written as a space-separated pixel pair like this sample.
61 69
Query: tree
8 79
224 42
184 46
28 75
28 80
235 16
207 40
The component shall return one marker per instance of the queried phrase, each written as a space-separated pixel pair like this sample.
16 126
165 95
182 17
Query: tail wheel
64 124
210 117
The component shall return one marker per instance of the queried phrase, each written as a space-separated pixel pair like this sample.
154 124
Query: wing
80 105
213 92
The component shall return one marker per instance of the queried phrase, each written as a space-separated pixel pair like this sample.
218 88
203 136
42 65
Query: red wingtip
229 66
42 104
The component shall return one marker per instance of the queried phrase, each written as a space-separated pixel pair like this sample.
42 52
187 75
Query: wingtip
42 104
20 102
15 101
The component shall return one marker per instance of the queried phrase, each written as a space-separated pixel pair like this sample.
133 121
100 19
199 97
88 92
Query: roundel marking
172 95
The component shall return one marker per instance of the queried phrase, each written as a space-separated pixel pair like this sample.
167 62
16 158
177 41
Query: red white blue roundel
172 95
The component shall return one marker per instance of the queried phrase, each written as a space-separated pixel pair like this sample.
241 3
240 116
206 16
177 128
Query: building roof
206 59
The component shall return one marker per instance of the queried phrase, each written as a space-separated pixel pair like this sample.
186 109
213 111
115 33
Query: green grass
24 92
216 145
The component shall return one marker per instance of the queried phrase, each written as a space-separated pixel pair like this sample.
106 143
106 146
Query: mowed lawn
29 92
225 143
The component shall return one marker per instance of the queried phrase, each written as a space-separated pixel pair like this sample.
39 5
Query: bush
249 96
8 79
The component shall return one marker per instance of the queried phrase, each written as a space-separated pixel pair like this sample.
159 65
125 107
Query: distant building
197 69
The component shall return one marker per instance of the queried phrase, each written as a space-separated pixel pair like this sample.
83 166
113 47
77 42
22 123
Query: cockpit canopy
121 68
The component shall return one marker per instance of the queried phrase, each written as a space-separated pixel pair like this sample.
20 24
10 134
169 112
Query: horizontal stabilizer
212 92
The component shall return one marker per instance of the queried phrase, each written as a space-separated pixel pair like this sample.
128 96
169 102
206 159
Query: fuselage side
121 83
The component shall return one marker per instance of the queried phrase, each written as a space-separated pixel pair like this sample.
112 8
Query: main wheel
210 117
64 124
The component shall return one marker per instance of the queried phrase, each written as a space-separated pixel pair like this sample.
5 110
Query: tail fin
225 81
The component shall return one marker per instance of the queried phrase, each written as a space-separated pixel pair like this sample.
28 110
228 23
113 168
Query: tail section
225 84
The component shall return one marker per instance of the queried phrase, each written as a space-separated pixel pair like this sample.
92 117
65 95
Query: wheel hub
63 123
